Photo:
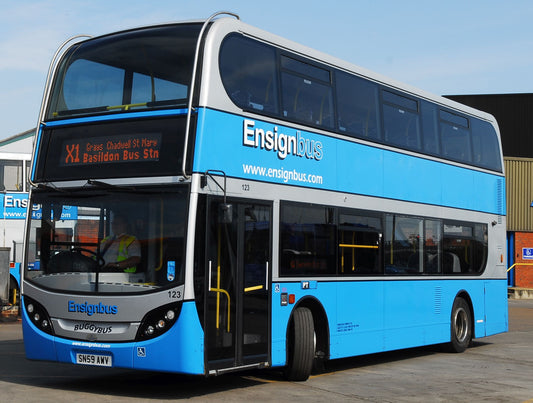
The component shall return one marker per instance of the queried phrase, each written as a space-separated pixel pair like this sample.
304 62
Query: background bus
15 155
289 207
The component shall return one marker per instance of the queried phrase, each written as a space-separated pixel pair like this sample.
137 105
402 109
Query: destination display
111 149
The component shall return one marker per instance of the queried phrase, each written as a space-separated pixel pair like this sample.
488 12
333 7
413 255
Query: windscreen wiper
105 185
49 186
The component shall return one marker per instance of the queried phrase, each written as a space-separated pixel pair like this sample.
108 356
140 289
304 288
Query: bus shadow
157 386
369 360
16 369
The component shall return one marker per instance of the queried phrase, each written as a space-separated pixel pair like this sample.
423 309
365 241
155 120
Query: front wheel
301 345
461 326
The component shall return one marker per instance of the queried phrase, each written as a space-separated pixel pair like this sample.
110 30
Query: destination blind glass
115 149
136 148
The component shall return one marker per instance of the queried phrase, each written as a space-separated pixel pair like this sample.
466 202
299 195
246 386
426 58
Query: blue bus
13 208
15 155
286 207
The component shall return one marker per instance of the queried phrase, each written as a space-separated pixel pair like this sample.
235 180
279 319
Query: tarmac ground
498 368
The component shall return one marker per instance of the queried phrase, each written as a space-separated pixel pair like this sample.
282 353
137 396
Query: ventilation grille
500 197
438 300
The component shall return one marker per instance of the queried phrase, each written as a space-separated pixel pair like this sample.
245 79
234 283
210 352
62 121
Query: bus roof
224 25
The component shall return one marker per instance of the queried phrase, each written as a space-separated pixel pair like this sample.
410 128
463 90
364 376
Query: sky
445 47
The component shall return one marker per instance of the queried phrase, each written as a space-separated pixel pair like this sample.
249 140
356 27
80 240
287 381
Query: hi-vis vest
125 242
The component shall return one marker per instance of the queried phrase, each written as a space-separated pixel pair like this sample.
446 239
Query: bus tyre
301 345
461 326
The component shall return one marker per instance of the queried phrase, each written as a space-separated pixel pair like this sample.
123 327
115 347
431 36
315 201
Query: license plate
94 359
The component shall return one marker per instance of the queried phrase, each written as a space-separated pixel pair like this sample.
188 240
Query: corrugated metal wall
519 178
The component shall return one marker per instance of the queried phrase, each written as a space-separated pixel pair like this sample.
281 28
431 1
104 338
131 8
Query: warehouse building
514 113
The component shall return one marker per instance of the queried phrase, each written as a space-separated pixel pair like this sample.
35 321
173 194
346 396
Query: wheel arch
321 324
14 290
13 283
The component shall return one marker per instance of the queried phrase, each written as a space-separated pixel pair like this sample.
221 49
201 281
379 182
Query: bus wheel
301 345
461 326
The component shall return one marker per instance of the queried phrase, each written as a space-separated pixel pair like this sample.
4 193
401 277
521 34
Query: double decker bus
289 207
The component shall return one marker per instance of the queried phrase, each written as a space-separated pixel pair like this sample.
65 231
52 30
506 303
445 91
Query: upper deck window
140 69
357 106
306 92
270 81
248 71
485 145
305 69
455 137
401 121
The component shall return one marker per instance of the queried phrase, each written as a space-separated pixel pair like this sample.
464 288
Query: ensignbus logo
91 309
281 143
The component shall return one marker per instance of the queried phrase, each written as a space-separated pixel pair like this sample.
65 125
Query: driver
121 251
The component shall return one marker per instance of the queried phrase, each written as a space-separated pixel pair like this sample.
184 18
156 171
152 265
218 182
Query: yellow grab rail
345 245
126 107
519 264
219 291
256 287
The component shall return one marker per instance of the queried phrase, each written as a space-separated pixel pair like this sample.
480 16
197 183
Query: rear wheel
301 345
461 326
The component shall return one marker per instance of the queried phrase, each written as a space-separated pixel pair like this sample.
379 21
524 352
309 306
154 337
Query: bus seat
451 263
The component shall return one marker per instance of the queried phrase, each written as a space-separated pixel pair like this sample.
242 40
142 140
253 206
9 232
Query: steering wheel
98 258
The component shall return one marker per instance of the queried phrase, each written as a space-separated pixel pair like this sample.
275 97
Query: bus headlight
38 315
158 321
170 315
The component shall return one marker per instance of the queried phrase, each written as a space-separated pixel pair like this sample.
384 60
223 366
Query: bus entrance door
238 271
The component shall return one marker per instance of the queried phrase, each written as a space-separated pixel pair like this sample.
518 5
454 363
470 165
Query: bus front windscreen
127 71
108 240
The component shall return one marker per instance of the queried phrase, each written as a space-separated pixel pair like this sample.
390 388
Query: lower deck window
412 245
321 240
359 244
465 248
307 240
